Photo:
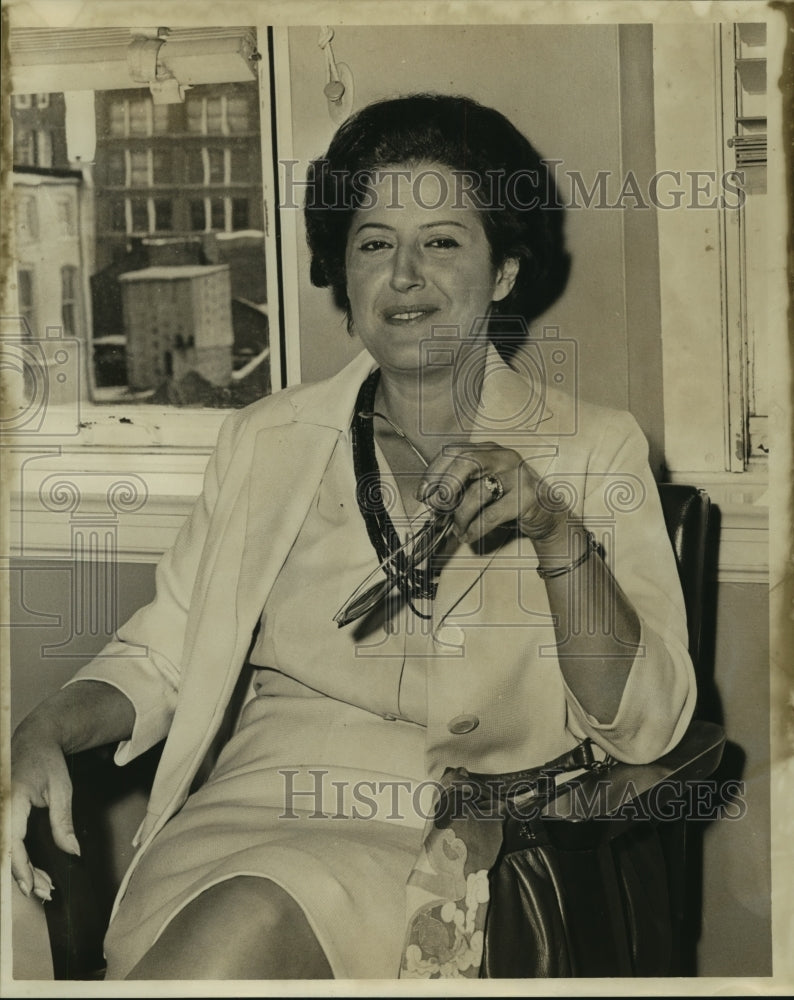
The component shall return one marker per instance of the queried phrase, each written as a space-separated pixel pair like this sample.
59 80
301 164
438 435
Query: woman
284 851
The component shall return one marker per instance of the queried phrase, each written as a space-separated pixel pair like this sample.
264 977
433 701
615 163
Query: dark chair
606 931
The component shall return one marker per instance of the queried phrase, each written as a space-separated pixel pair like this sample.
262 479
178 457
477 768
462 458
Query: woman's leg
243 928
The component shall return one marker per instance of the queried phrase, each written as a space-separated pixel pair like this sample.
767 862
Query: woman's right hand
39 777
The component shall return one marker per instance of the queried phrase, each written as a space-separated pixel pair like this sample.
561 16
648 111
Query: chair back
686 515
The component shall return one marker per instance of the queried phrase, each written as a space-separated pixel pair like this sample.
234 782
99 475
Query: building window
218 214
43 148
139 215
240 166
42 100
163 215
23 101
197 217
140 119
240 219
69 292
194 166
25 147
162 166
116 168
27 219
25 299
65 215
216 164
139 168
118 216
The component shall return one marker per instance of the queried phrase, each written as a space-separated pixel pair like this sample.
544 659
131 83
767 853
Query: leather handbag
564 898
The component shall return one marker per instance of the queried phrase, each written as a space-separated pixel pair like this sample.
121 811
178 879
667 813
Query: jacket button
463 724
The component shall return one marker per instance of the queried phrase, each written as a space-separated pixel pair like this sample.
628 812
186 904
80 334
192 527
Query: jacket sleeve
622 505
144 662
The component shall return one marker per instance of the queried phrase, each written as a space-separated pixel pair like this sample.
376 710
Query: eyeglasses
407 568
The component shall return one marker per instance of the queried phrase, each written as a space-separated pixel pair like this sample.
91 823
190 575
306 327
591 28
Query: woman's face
418 258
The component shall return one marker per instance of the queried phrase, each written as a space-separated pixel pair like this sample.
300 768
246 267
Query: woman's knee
243 928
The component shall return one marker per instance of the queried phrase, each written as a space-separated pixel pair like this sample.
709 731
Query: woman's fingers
59 799
43 781
21 868
456 480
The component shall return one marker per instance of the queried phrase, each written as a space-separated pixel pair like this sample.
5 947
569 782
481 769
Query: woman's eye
371 245
444 243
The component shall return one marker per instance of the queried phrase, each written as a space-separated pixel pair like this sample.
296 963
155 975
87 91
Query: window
23 101
69 293
116 168
27 219
163 215
42 100
162 166
25 299
65 216
25 147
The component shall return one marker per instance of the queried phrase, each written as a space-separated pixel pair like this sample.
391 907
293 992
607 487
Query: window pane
116 167
43 147
197 221
239 213
240 166
118 218
161 118
218 214
239 114
24 147
117 117
214 115
139 117
195 113
216 166
162 166
163 214
194 165
140 216
139 168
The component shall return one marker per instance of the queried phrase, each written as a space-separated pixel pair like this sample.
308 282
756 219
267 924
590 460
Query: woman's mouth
408 314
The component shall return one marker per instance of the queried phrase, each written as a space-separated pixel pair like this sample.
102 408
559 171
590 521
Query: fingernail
45 895
74 847
24 887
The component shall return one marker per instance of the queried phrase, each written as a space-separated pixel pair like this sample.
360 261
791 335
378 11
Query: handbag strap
485 792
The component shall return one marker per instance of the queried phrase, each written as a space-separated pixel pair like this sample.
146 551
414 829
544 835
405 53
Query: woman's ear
506 275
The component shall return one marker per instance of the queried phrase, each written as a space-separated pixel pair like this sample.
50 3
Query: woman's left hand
457 480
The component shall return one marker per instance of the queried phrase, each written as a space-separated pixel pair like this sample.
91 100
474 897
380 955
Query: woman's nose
407 270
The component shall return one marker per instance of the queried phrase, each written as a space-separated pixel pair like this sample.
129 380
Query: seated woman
495 638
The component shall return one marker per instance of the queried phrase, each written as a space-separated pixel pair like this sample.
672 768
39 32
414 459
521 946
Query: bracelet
593 545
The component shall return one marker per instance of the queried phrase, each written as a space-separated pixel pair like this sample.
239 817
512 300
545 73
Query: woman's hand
456 480
39 778
77 717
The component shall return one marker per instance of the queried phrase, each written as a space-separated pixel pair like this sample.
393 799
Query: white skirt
326 800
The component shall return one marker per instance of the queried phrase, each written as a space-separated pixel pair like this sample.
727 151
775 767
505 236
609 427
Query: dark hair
503 173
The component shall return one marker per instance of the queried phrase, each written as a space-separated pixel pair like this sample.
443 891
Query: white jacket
179 658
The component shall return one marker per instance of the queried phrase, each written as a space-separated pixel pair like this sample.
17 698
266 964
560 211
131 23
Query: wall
581 95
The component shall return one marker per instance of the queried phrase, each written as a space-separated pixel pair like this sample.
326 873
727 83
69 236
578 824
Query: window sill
139 496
